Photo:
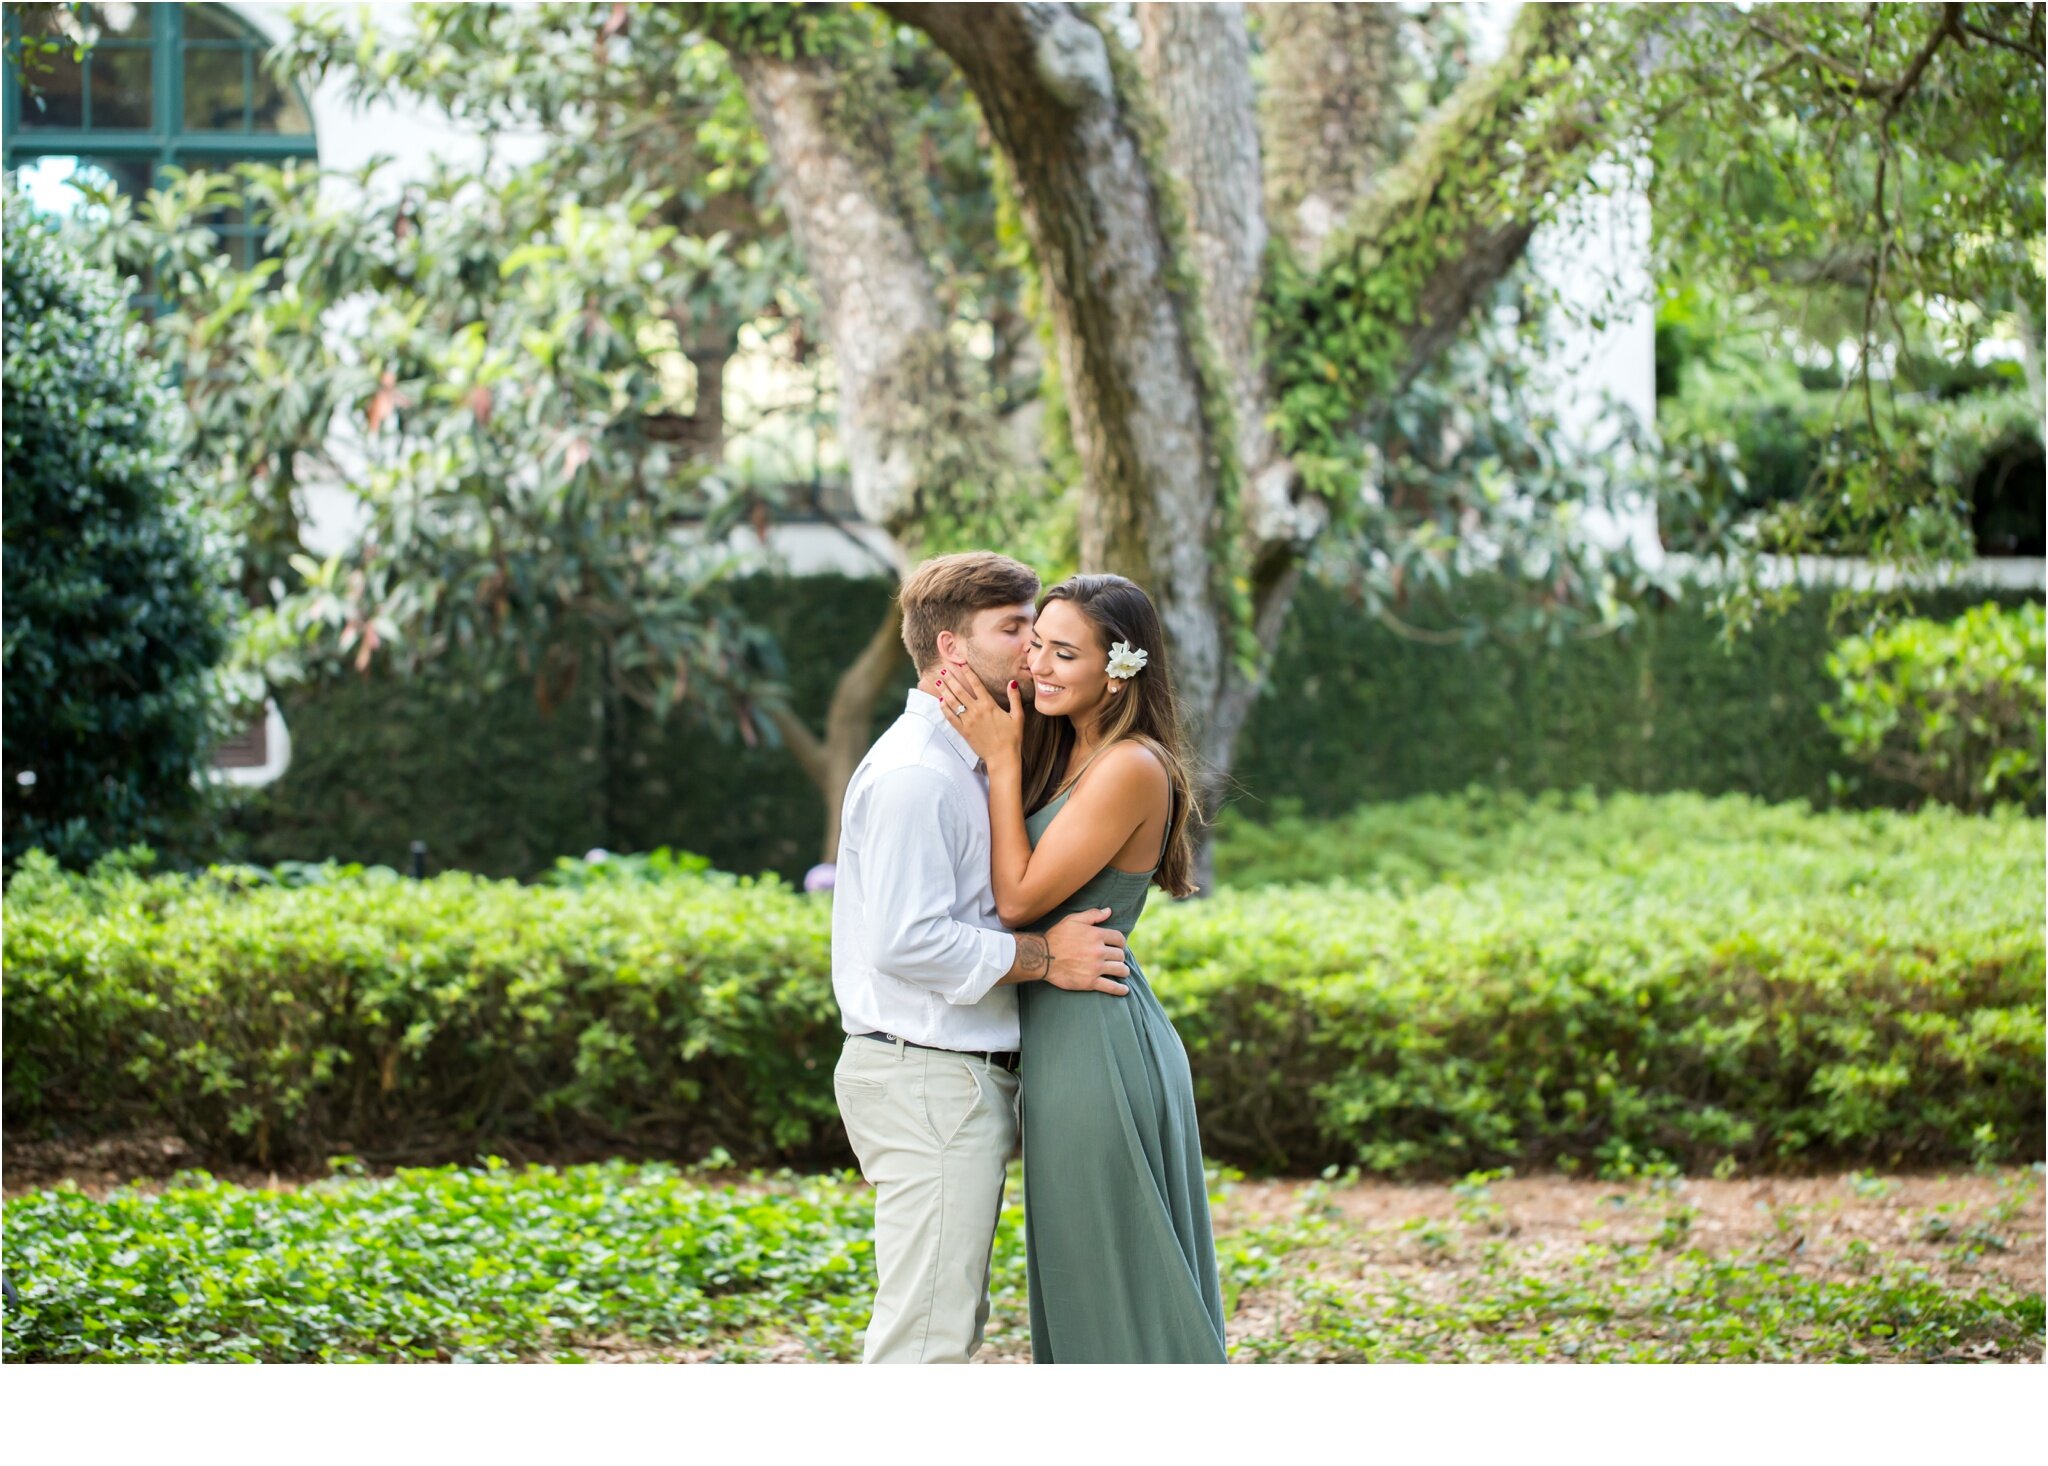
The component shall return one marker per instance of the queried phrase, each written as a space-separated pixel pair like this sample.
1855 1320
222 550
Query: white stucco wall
1595 258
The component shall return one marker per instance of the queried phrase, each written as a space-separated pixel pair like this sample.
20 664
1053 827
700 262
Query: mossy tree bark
1145 195
907 418
1149 422
1328 112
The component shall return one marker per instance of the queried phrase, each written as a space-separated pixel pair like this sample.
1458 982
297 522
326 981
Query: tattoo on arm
1034 958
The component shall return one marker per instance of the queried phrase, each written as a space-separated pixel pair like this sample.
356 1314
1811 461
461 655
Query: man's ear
948 647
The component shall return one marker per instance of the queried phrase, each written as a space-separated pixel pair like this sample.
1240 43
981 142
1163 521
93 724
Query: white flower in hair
1124 661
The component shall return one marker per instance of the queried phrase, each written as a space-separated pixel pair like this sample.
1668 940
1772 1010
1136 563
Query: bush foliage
1956 710
116 612
1871 992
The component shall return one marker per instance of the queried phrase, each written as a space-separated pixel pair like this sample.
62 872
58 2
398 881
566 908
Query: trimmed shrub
1874 997
1476 834
117 610
1954 709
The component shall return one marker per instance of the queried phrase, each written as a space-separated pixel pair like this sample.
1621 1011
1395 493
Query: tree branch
2006 41
1328 112
868 677
1863 85
1951 25
804 745
1436 233
1894 92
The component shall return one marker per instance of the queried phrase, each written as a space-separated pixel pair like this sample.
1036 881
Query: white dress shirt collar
927 707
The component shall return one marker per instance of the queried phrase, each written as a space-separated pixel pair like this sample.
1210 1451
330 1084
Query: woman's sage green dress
1117 1249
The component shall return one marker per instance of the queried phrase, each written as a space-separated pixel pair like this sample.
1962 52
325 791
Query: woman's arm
1125 790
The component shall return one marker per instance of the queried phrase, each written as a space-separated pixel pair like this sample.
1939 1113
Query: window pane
213 91
120 88
207 23
229 217
52 181
52 84
135 175
47 182
126 22
277 110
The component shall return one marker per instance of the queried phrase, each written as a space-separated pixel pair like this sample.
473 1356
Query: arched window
162 85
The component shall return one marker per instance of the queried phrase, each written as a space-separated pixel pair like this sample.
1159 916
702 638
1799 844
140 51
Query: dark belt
1001 1058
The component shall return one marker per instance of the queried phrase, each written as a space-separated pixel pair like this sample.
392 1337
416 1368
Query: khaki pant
933 1131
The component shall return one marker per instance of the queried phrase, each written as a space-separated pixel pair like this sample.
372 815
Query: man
924 972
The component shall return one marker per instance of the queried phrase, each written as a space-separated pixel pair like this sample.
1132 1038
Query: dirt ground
1732 1216
144 1161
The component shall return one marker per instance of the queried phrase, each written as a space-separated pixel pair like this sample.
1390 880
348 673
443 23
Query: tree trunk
1328 112
1197 66
831 760
1126 313
707 422
1185 490
882 316
914 432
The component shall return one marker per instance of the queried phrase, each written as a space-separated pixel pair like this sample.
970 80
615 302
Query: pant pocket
863 1109
952 1093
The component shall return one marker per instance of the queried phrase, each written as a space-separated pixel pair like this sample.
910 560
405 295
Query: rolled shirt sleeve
911 859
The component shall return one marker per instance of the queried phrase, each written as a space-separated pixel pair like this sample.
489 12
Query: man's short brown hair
944 593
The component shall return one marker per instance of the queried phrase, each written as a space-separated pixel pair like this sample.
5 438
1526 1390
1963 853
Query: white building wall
1595 259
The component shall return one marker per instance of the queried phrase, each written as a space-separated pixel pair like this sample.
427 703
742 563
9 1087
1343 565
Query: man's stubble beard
999 687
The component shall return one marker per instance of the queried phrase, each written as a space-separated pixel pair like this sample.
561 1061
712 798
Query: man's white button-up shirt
917 947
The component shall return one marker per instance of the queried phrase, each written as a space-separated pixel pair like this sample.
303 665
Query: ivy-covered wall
1354 713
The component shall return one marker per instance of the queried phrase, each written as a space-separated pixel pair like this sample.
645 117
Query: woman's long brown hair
1146 711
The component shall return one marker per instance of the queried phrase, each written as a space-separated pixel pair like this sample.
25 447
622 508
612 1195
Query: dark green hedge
1355 714
1873 995
494 787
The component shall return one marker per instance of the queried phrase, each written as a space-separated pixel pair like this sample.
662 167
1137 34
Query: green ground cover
644 1262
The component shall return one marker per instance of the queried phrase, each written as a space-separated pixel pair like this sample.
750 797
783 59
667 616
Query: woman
1117 1243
